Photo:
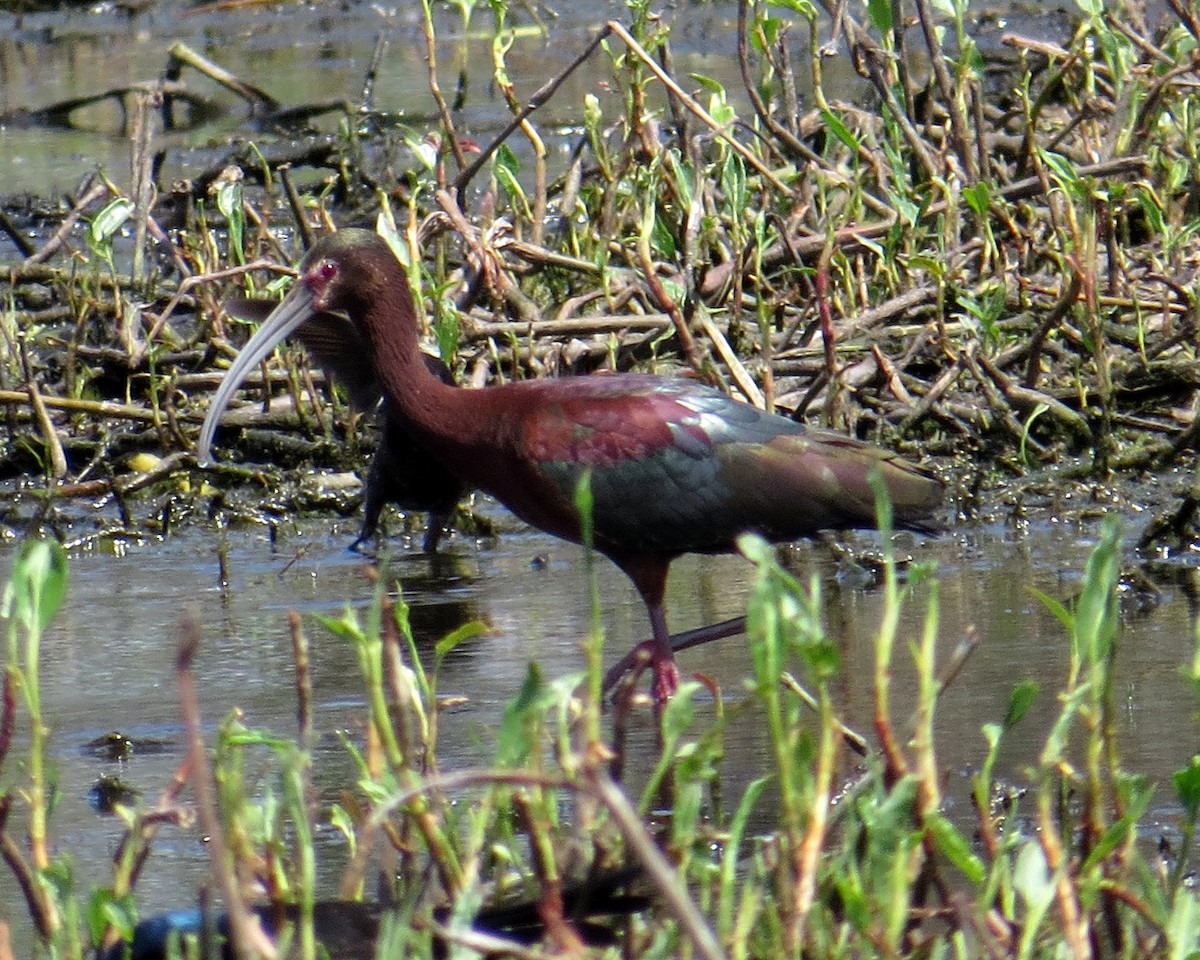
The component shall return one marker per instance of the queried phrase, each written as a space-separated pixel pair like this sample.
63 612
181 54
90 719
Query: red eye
320 277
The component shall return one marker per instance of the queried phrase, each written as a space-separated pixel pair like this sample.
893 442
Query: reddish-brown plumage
675 467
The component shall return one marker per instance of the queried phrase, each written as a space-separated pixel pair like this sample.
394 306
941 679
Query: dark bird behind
401 472
348 930
675 466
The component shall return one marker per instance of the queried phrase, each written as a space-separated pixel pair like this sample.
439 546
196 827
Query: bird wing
678 467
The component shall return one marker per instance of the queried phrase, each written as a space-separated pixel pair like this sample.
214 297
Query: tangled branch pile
989 257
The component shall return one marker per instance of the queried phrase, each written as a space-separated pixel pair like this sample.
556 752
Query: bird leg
678 642
648 571
662 656
439 520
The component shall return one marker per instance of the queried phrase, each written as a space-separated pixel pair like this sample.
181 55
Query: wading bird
401 472
675 467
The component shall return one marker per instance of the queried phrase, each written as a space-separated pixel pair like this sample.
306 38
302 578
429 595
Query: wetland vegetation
983 256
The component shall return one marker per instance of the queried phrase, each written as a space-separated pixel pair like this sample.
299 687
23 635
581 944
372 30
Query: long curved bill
293 310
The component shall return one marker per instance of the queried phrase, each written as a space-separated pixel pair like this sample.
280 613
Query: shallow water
309 53
109 658
302 54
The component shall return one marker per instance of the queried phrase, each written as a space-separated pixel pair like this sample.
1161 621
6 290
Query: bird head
343 273
348 270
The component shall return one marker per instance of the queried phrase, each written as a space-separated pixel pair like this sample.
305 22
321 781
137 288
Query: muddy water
304 54
109 659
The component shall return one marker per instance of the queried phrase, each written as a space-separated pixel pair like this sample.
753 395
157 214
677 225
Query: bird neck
432 410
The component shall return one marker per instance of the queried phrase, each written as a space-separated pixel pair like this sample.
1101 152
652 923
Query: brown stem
58 459
246 934
8 719
41 908
67 227
673 894
1038 340
299 216
452 141
540 96
259 100
696 109
958 123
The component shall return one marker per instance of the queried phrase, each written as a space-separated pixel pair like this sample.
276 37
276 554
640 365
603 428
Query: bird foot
364 547
666 679
646 654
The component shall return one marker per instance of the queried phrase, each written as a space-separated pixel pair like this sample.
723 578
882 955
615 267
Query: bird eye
327 270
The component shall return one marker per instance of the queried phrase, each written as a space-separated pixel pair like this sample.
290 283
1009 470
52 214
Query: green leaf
1060 168
448 330
1096 614
507 169
1019 702
730 859
1137 795
893 816
856 903
840 130
521 717
229 202
423 149
1031 876
584 503
507 161
755 549
38 585
955 847
105 910
229 198
880 12
733 182
1187 786
803 7
592 114
386 228
767 33
1056 607
109 220
677 717
1038 410
468 631
978 197
662 240
1183 926
709 84
927 263
343 823
347 626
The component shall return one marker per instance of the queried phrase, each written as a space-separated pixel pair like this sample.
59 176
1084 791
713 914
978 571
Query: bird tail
838 472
